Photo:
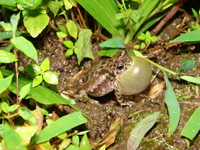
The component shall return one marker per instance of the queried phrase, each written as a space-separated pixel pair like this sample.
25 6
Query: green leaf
14 21
37 93
29 4
27 115
33 70
12 139
4 107
37 80
192 127
187 65
69 4
8 3
140 130
6 26
69 52
24 91
191 79
193 36
50 77
7 57
172 106
26 133
26 47
73 147
5 83
104 12
13 108
69 44
59 126
116 42
45 65
72 29
142 36
84 45
85 144
54 6
195 13
8 35
108 52
36 21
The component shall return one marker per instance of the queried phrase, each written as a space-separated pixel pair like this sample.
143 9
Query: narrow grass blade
59 126
172 106
104 12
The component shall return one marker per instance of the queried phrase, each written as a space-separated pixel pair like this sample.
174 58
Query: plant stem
161 67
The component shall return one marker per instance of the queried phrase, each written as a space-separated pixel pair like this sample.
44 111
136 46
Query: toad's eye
120 67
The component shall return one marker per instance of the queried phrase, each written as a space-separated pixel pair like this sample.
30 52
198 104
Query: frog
110 75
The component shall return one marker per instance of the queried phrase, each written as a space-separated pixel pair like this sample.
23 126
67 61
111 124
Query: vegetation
25 100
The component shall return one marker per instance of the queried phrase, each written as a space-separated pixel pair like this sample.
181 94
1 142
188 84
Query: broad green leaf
8 3
54 6
69 52
193 36
191 79
192 127
69 44
61 34
14 21
108 52
12 139
5 83
172 107
37 93
116 42
45 65
76 140
26 47
4 106
26 133
85 144
7 57
187 65
8 35
13 108
140 130
59 126
104 12
69 4
27 115
24 90
37 80
73 147
36 22
72 29
28 4
33 70
84 45
50 77
6 26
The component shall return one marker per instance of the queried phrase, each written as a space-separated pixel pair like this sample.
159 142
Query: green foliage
41 73
140 130
187 65
172 106
147 38
192 127
125 20
7 57
189 37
